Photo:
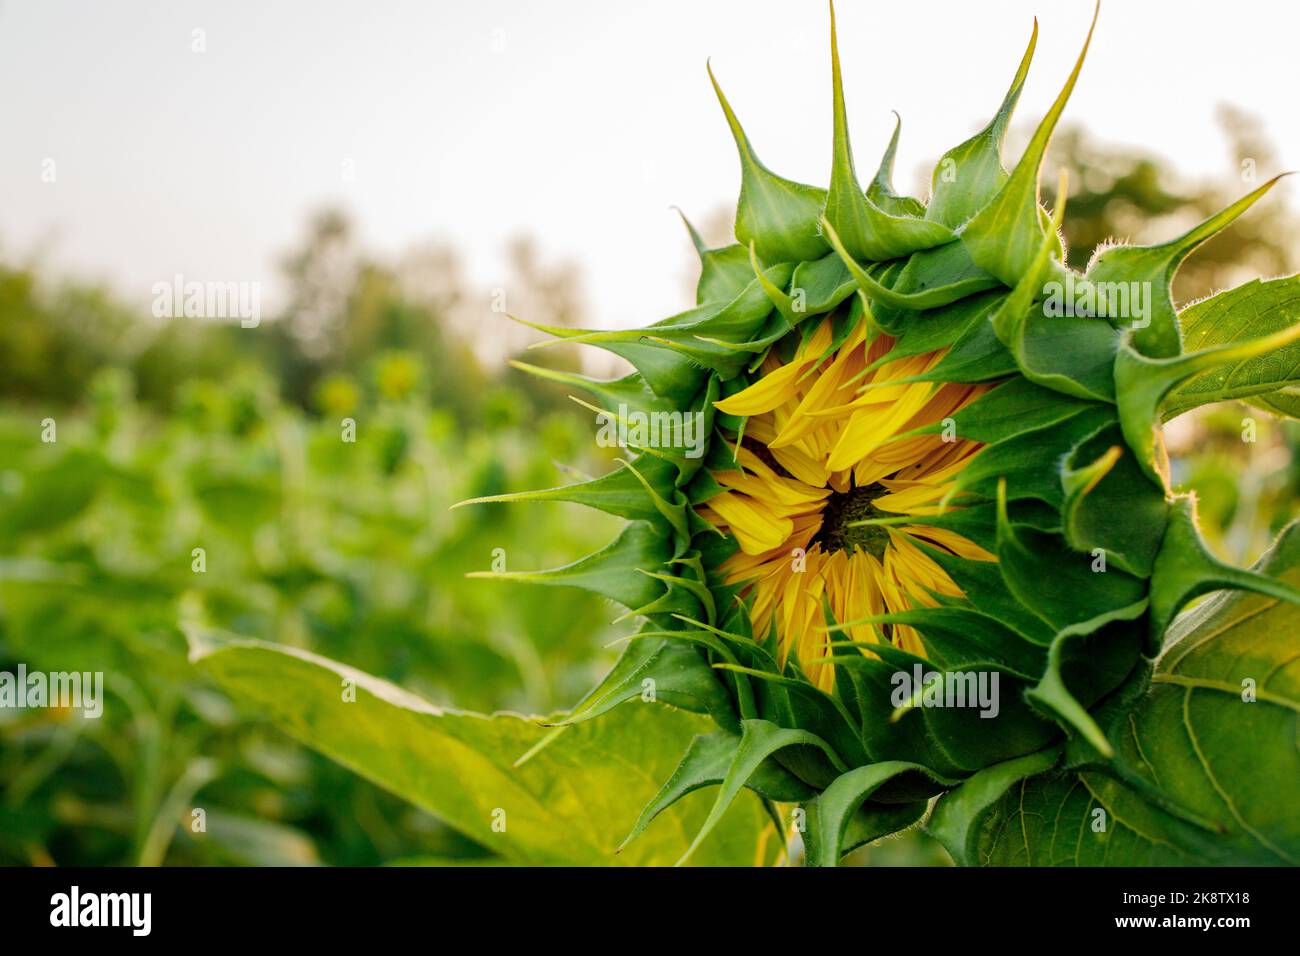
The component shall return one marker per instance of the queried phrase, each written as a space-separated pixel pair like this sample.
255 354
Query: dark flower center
842 510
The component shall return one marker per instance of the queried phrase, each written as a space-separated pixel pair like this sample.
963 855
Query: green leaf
1253 310
53 494
959 814
1049 820
569 805
1207 770
1185 570
1142 384
1285 402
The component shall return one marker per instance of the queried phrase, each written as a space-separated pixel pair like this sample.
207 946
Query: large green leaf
1249 311
1203 774
52 494
571 803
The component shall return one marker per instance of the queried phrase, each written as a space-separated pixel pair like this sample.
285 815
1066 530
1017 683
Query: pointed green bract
1004 236
612 572
1012 408
1108 510
777 215
671 673
627 492
1059 585
864 229
705 764
881 189
970 175
760 740
829 813
1185 570
724 272
1152 267
1142 385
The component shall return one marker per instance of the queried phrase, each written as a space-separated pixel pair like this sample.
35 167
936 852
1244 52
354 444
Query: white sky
577 122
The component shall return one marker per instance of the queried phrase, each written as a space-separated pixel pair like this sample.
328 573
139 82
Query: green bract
1189 754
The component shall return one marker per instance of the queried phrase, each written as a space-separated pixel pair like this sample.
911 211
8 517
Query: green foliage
1250 311
347 548
566 805
1184 788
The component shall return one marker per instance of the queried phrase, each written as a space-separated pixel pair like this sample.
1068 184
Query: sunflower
909 446
829 468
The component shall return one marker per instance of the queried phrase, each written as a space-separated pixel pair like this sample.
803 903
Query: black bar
559 906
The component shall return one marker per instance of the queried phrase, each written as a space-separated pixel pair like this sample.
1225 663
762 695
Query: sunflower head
933 468
837 469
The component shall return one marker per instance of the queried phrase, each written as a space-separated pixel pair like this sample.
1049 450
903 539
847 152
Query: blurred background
394 178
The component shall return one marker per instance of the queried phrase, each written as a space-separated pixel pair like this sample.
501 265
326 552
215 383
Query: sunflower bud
932 536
